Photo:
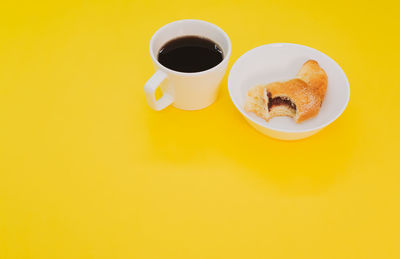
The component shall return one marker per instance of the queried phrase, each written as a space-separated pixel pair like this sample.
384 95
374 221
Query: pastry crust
299 98
314 76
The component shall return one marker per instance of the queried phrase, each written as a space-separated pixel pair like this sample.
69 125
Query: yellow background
88 170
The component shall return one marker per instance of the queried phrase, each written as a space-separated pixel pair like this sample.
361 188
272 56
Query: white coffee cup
187 91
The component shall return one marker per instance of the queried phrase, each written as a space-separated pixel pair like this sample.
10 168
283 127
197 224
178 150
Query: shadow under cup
197 90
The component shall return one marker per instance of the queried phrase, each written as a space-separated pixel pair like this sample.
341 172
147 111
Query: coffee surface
190 54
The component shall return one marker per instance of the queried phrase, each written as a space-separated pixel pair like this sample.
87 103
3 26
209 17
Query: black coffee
190 54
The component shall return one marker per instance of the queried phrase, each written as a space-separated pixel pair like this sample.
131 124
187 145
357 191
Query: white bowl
280 62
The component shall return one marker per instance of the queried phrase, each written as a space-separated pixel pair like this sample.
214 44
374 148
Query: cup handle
150 88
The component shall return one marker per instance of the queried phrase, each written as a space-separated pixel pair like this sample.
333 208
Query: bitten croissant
299 98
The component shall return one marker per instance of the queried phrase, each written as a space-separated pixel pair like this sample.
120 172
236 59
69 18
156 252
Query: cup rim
321 126
225 59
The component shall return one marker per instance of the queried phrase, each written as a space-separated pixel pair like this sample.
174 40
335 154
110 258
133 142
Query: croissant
299 98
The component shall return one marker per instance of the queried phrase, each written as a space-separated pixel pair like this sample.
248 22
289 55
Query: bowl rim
274 128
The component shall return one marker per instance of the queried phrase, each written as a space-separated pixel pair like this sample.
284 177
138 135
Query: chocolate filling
280 100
